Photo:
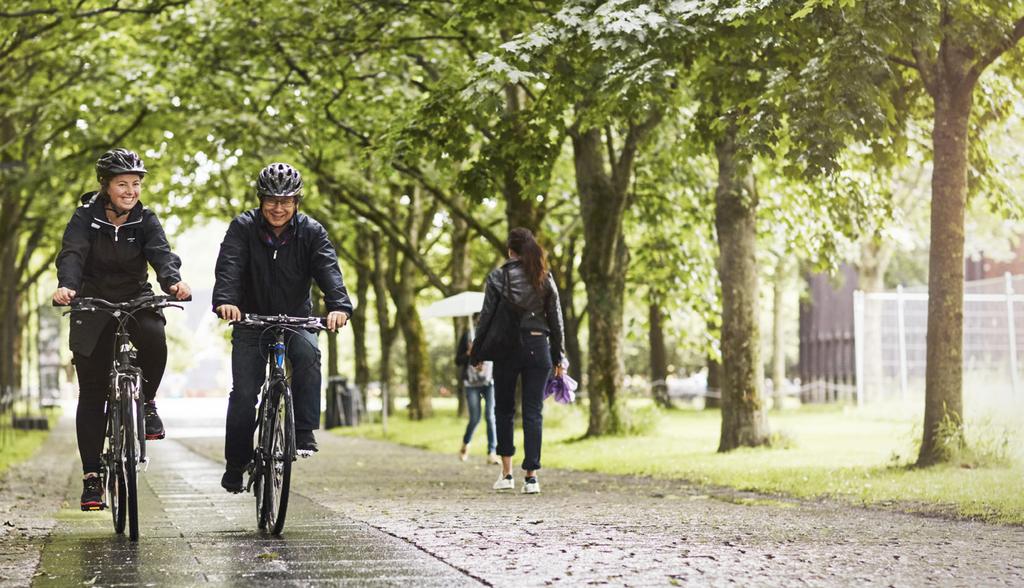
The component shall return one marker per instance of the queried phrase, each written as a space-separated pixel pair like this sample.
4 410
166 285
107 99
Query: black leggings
147 335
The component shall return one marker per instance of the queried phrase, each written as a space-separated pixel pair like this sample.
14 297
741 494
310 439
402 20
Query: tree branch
449 202
1012 36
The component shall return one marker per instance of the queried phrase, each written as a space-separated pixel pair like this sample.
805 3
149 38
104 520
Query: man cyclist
267 261
107 244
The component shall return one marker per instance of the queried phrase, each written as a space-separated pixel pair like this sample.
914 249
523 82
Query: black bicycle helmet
119 161
279 180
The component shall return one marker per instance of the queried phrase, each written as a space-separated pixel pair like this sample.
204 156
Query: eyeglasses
283 203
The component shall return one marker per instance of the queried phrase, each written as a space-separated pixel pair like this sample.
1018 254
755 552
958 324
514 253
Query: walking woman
107 244
527 290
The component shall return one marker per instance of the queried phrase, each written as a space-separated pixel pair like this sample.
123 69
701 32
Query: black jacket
541 309
99 259
262 273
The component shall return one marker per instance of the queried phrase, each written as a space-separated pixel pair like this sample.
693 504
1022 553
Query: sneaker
493 458
305 443
92 492
505 483
154 426
531 485
464 452
232 480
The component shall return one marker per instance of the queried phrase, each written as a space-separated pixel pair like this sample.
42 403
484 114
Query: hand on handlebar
336 320
181 291
229 312
63 296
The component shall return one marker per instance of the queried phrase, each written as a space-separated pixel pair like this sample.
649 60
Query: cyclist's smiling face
124 190
278 211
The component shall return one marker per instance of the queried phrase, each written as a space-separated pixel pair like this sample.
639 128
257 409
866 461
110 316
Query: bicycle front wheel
279 454
130 463
116 495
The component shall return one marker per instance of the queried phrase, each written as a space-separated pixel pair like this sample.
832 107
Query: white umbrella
463 304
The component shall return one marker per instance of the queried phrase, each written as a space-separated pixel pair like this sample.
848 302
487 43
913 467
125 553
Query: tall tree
949 46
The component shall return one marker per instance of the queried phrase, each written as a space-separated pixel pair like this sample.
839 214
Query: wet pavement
368 513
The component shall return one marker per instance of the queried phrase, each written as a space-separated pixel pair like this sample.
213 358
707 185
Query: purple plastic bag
562 387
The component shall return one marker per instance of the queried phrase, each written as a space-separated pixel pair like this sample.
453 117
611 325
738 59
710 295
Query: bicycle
271 468
124 452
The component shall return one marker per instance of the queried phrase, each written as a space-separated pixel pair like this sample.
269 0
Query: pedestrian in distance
268 259
521 331
478 383
107 244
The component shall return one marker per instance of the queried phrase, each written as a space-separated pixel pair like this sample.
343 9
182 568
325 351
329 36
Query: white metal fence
890 349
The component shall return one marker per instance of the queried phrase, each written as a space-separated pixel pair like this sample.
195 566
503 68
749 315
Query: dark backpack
501 336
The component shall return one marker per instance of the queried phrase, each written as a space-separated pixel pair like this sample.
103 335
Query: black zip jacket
541 309
100 259
262 273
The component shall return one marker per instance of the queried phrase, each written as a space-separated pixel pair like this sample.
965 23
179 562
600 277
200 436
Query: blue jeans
249 351
532 362
474 394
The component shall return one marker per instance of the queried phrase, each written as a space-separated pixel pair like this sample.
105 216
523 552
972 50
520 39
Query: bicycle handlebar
315 323
88 304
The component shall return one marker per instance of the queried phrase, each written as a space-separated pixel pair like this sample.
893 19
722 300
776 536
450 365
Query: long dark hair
531 254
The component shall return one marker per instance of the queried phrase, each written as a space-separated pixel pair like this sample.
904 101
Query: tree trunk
944 369
364 252
603 271
403 292
779 332
566 278
416 359
743 418
659 359
714 384
461 272
521 209
385 330
9 311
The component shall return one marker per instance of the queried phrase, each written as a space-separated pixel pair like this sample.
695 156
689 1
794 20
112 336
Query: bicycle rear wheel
116 498
280 454
130 463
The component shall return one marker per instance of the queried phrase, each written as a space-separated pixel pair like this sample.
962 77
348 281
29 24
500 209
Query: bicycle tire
130 469
115 476
258 465
277 480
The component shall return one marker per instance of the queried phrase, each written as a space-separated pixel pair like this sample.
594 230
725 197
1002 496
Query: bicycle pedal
304 453
155 437
93 507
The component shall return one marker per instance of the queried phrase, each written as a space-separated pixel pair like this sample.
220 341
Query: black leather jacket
541 310
262 273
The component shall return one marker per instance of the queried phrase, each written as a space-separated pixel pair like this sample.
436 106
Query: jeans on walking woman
531 363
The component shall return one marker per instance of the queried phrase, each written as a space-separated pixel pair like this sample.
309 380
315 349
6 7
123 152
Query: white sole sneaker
507 483
531 488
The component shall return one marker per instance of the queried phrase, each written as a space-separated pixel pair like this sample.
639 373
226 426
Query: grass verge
859 456
17 446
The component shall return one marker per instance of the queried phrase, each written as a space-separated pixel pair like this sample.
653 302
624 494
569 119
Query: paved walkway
371 513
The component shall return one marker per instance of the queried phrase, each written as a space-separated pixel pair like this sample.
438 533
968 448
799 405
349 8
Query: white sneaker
506 483
531 485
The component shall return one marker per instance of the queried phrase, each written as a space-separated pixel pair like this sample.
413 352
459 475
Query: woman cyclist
107 244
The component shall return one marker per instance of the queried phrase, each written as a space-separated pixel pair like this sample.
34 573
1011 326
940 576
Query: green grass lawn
855 455
17 446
